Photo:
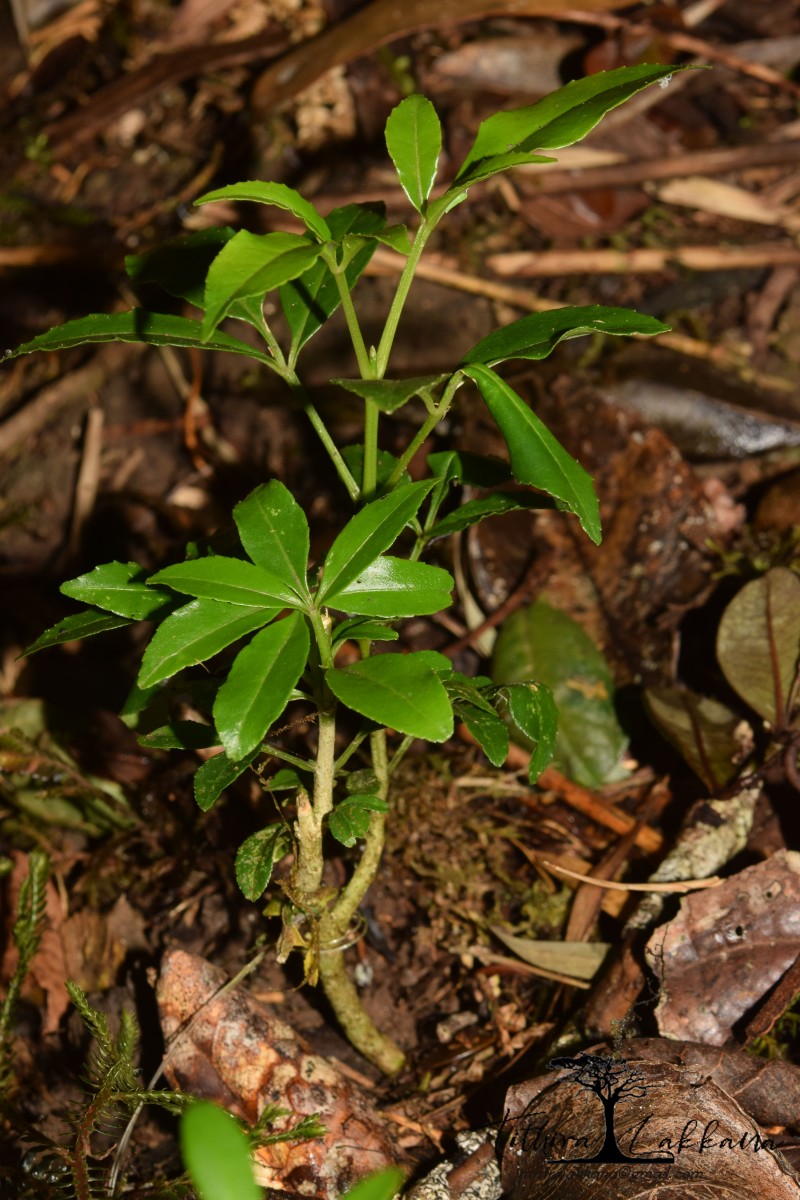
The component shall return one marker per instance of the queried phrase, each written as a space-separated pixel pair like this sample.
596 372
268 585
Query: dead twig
88 480
678 887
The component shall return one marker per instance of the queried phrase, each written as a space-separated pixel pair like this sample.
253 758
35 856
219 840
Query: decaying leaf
759 641
701 730
540 642
579 959
238 1054
726 948
663 1130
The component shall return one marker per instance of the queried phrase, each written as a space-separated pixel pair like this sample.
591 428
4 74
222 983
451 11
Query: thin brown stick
679 887
643 260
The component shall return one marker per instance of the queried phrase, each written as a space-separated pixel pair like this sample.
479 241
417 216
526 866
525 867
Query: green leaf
390 394
463 690
259 685
354 461
256 858
382 1185
495 165
350 819
75 627
274 532
538 334
180 266
154 329
228 579
542 643
537 458
702 730
253 264
308 301
489 731
119 588
277 194
197 632
217 1154
181 735
368 534
758 642
562 118
215 775
414 142
394 587
400 691
361 629
532 709
473 511
396 238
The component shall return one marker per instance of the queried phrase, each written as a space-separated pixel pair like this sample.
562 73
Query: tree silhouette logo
613 1081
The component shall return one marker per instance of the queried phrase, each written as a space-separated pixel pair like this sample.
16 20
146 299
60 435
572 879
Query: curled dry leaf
670 1131
726 948
239 1055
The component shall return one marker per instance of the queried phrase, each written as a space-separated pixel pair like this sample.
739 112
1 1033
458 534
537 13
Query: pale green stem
272 342
367 867
346 1003
319 425
303 764
356 336
370 460
399 754
403 286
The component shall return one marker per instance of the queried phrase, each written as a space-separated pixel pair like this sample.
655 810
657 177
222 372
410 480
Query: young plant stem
351 896
356 336
321 430
370 461
424 231
345 1001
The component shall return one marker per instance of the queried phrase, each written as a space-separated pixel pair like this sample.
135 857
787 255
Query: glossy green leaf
119 588
368 534
359 629
154 329
702 730
196 632
382 1185
474 511
287 779
394 587
538 334
217 1154
561 118
390 394
230 580
274 532
400 691
476 692
495 165
543 644
758 642
259 685
215 775
181 735
278 195
537 458
350 819
257 856
180 266
386 464
396 238
532 709
489 731
309 300
253 264
76 627
414 142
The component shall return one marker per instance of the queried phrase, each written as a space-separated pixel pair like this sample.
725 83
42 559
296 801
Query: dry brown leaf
699 1142
726 948
237 1053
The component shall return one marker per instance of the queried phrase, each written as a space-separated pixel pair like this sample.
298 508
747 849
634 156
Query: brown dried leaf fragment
648 1130
239 1054
726 948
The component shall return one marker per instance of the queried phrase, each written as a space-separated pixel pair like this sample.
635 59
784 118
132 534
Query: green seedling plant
288 621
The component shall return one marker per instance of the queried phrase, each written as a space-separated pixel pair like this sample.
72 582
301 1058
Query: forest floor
683 204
